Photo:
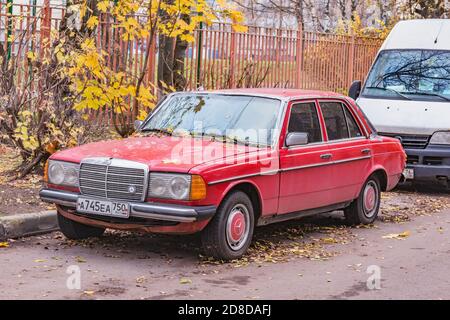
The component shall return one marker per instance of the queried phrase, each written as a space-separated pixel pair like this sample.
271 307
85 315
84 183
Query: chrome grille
410 141
113 179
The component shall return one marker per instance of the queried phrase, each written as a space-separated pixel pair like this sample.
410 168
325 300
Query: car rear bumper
430 164
145 210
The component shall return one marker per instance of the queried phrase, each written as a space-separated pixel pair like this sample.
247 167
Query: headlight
176 186
63 173
440 137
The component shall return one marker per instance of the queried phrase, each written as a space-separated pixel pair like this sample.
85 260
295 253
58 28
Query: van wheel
364 209
230 232
76 231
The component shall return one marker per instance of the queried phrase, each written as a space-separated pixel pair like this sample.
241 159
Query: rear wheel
75 230
364 209
230 232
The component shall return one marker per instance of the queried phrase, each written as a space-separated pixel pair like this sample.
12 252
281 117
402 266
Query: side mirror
296 139
355 89
137 124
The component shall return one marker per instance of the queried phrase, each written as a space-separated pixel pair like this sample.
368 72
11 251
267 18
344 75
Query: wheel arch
252 191
382 176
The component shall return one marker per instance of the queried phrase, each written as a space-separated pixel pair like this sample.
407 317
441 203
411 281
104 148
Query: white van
407 95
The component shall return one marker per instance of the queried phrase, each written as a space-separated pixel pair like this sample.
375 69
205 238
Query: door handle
326 156
365 151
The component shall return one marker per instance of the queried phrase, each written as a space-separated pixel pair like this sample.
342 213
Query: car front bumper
145 210
430 164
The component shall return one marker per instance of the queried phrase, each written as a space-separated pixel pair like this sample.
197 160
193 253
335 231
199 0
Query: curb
28 224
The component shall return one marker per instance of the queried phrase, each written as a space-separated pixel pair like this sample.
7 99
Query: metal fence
219 57
266 57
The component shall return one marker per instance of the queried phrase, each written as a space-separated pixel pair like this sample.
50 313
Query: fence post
351 59
45 26
299 56
232 57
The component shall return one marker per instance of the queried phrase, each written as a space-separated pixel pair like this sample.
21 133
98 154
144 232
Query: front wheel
364 209
230 232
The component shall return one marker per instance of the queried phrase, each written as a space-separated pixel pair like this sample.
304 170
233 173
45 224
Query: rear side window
353 129
335 120
304 118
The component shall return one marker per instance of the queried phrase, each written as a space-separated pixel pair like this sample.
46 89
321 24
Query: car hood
406 116
160 153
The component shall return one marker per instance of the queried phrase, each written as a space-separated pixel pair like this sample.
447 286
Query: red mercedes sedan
222 163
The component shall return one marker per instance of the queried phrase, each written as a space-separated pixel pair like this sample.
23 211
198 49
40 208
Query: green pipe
10 26
199 53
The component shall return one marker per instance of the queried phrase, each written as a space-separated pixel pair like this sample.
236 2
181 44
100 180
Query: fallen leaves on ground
401 206
17 194
80 259
399 236
141 279
281 243
185 281
4 244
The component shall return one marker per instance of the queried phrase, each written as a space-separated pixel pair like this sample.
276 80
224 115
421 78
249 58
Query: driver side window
304 118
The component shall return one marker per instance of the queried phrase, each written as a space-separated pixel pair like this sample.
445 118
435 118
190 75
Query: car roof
432 34
280 93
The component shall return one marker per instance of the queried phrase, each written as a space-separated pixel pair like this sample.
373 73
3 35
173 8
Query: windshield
410 75
239 119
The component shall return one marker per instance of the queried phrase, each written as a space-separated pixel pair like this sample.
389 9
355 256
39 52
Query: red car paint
315 184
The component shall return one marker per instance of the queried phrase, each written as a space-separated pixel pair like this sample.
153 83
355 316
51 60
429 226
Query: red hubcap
369 200
237 226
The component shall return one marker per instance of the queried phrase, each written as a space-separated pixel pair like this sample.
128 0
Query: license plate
103 208
408 173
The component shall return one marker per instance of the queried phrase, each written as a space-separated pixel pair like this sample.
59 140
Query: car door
305 170
349 147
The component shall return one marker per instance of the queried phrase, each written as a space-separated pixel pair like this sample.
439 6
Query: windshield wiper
424 93
225 138
158 130
390 90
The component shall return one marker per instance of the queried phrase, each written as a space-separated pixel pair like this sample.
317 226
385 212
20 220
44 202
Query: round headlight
71 176
158 186
56 173
179 187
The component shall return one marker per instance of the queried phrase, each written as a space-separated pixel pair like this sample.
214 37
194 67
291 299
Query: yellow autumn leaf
4 244
92 22
142 115
103 6
31 55
399 236
239 28
185 281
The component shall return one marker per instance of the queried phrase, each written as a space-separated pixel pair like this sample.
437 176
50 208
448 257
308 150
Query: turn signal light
46 172
198 188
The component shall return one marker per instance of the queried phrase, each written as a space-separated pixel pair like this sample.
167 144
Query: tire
76 231
364 209
230 232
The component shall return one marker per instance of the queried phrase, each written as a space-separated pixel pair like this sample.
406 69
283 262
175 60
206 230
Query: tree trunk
172 52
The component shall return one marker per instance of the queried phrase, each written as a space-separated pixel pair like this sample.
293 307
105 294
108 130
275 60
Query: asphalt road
314 258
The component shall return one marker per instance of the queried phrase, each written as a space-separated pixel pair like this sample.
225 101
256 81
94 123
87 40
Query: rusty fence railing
219 57
266 57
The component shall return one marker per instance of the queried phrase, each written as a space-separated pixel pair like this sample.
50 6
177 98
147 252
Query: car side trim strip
326 163
266 173
272 172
